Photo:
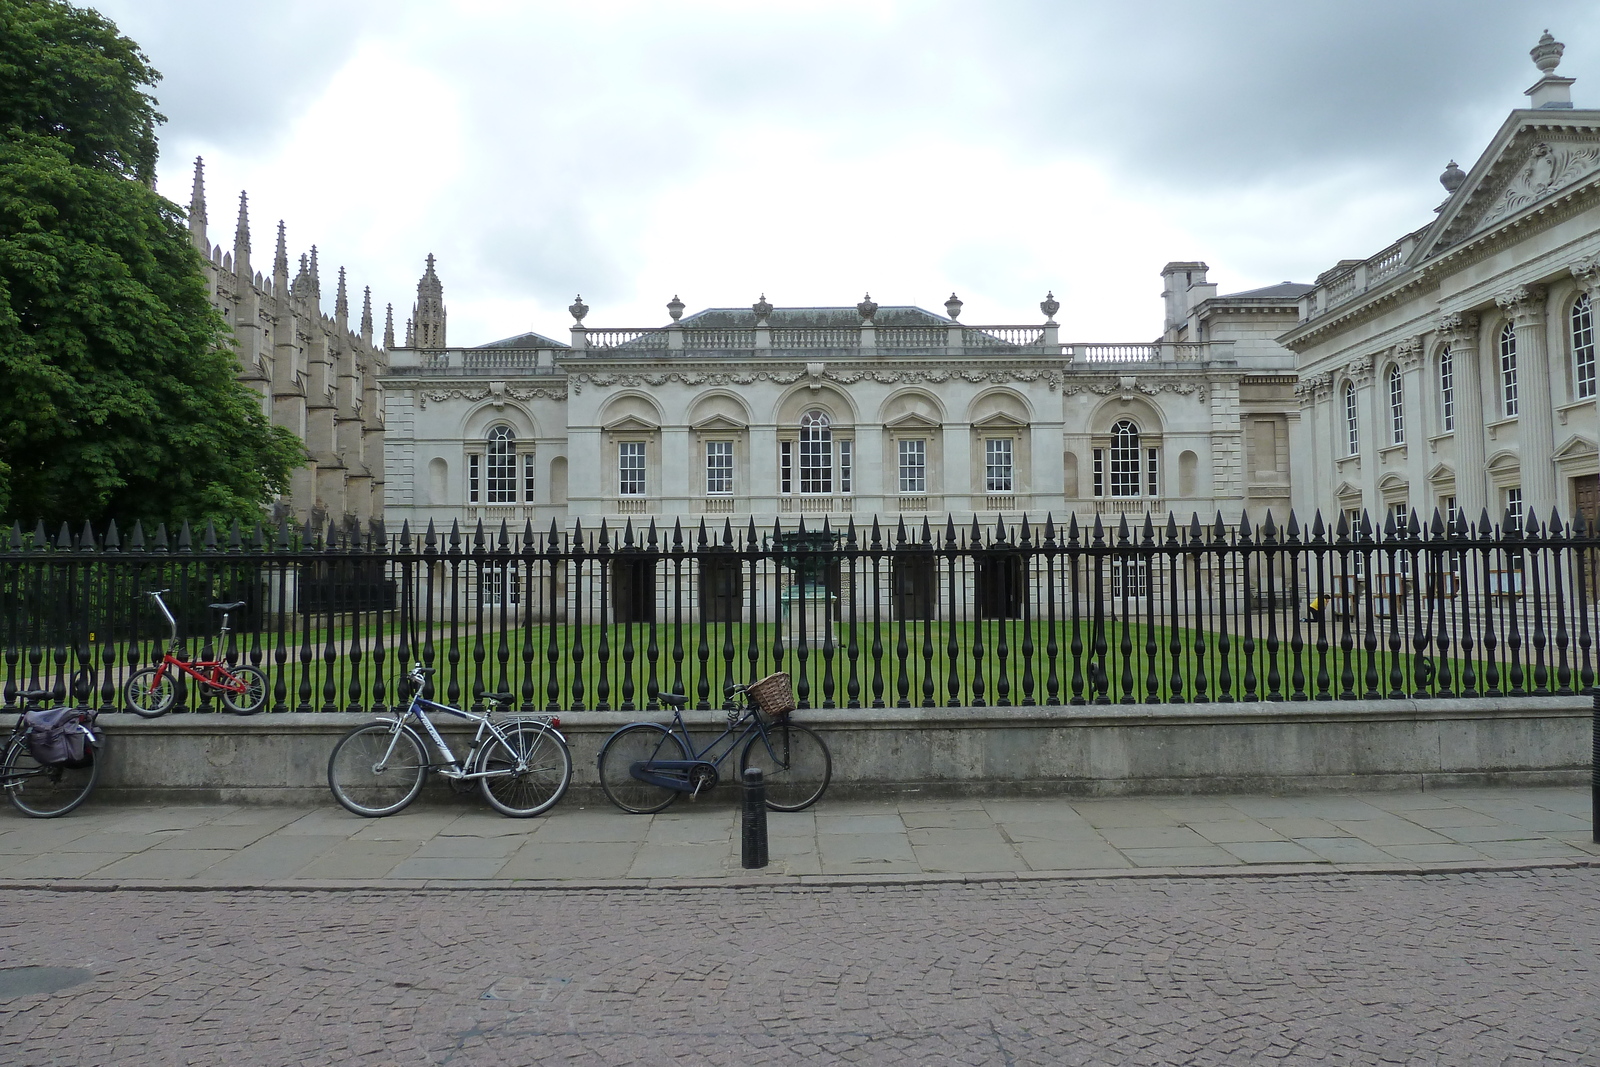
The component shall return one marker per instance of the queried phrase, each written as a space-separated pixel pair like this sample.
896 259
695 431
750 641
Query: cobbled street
1460 968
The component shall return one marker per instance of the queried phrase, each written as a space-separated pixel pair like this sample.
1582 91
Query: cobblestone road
1327 969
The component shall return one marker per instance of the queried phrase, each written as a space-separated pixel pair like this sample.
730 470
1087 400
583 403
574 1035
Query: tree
118 389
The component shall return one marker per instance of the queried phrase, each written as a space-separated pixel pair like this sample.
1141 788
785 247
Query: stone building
315 374
839 412
1456 367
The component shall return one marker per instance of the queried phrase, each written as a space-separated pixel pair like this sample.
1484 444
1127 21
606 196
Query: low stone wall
1082 751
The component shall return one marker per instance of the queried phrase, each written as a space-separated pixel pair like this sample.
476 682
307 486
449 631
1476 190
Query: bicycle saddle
673 700
503 699
33 694
227 607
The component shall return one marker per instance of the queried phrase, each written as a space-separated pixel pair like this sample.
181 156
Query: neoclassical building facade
315 374
733 414
1455 369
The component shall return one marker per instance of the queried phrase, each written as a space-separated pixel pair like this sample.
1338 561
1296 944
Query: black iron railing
876 615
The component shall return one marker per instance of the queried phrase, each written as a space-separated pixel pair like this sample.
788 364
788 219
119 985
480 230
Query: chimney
1177 279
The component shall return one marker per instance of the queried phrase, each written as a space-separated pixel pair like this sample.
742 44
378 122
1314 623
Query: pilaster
1535 412
1460 332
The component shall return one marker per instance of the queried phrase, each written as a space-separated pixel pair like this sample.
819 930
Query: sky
814 151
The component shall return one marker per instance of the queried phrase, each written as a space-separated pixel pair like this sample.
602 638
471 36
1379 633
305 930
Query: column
1535 411
1460 332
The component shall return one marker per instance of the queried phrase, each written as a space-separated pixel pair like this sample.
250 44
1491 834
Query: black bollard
753 840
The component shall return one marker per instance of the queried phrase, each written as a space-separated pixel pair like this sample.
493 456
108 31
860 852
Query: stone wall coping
1058 716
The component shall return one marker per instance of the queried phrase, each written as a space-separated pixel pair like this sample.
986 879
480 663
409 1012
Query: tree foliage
118 394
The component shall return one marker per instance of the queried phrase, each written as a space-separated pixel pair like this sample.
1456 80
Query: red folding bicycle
151 691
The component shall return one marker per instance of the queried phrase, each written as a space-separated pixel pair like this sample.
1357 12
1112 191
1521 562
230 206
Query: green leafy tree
118 389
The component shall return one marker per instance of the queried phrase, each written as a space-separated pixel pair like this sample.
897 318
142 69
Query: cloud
630 150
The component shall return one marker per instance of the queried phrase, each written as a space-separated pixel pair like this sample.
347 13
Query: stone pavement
909 838
1459 969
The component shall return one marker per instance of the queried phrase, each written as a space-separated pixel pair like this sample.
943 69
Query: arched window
501 466
1447 389
1508 371
1397 407
1583 347
1124 459
1351 427
816 452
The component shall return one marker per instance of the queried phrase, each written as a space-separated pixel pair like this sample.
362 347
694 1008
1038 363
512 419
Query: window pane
1447 389
630 468
913 466
527 477
1397 411
785 467
1352 439
1583 346
1508 371
719 467
816 453
997 454
502 466
1124 459
846 467
472 478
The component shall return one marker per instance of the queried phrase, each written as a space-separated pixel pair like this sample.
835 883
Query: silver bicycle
521 765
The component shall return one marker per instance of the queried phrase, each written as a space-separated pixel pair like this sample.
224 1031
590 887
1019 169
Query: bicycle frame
222 677
452 767
752 725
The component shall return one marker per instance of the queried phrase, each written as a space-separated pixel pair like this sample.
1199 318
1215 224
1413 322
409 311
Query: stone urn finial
1547 54
762 310
1452 178
867 309
675 308
579 309
1050 305
952 307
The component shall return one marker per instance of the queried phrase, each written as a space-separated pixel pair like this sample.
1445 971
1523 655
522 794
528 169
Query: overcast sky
817 150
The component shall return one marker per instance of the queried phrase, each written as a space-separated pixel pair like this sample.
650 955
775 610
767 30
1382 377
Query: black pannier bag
62 736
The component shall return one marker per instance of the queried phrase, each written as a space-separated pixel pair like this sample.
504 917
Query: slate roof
1281 291
744 318
522 340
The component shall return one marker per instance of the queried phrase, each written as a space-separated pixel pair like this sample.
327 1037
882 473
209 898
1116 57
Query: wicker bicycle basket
774 695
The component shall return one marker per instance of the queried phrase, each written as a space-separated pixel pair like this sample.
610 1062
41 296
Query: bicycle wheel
150 696
46 791
544 774
254 695
630 745
794 763
377 770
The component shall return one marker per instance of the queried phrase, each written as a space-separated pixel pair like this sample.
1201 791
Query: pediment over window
1393 483
1528 162
631 424
1504 463
912 420
1576 447
719 424
1442 472
999 421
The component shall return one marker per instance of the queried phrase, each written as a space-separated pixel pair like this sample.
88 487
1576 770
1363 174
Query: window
500 586
913 466
1352 435
1130 577
1583 346
630 468
1152 472
1514 510
1099 472
997 464
473 462
846 466
1124 459
502 465
785 467
527 477
816 453
1397 407
1450 513
1508 371
1447 389
719 468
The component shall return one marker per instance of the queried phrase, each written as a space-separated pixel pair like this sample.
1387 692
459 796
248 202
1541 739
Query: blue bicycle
645 766
521 765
